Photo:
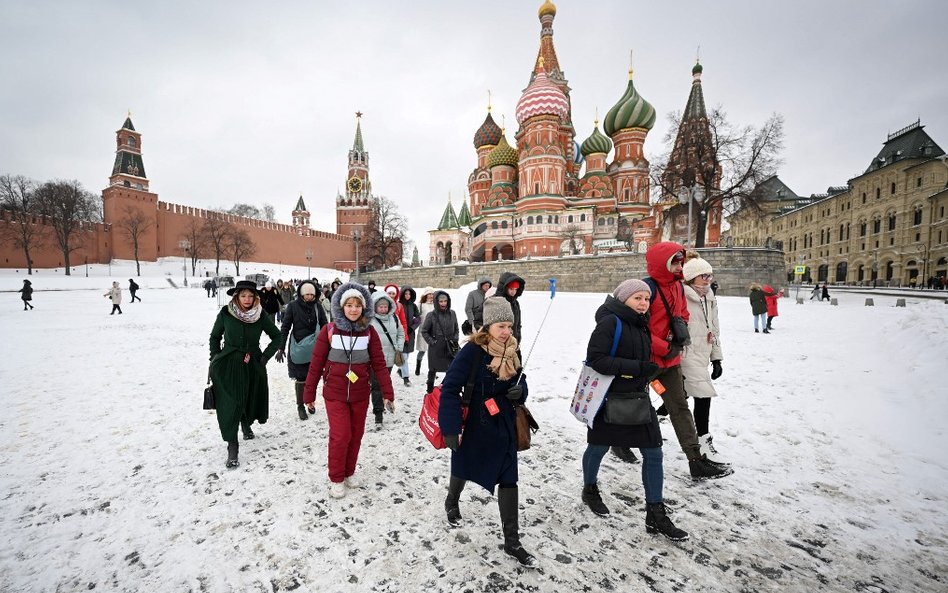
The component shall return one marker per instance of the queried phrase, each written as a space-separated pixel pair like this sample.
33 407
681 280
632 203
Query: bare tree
723 170
133 225
384 235
248 210
240 246
18 197
215 232
571 233
269 213
68 207
625 233
195 236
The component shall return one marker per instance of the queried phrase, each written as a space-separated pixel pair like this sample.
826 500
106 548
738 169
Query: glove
451 441
515 393
390 406
716 369
279 356
649 370
673 351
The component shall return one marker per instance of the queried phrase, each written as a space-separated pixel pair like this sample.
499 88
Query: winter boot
656 521
702 469
418 367
407 382
300 408
451 502
245 428
625 454
508 501
593 500
232 448
708 452
766 331
378 420
756 331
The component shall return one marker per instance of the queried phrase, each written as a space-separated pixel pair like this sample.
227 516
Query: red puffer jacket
657 260
335 355
772 298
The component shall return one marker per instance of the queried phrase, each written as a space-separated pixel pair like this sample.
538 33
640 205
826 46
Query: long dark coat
407 298
27 291
635 349
241 389
303 319
439 327
271 300
488 451
505 279
758 301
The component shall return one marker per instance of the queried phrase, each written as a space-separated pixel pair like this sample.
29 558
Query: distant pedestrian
825 296
207 287
510 286
425 306
388 326
371 287
816 290
406 300
758 302
26 293
115 293
440 330
474 307
132 289
302 320
773 297
270 299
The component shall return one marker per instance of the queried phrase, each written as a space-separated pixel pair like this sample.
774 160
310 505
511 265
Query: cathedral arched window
601 222
549 220
529 220
503 224
569 219
582 218
493 225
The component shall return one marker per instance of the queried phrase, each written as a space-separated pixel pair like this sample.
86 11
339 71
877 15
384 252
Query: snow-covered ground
113 478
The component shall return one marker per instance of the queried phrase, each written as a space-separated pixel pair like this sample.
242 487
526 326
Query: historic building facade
533 198
888 225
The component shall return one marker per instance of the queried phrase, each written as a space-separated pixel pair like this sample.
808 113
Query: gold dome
547 8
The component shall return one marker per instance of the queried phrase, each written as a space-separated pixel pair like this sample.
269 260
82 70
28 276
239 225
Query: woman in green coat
238 369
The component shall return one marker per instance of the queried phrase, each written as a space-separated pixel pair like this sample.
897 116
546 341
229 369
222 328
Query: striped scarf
251 315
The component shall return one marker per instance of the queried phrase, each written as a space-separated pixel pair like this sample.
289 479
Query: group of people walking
661 331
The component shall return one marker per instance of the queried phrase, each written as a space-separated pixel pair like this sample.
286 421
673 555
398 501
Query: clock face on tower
354 185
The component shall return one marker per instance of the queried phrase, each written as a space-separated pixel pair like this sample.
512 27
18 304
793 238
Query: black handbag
453 348
628 409
210 403
677 325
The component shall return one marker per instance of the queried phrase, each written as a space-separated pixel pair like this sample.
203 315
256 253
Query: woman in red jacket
346 352
771 296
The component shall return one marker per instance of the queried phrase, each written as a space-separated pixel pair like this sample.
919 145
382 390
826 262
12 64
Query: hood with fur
377 296
339 317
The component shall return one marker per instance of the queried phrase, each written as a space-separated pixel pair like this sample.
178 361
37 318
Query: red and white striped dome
542 97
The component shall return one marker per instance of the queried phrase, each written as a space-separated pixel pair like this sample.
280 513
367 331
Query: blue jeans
763 320
652 471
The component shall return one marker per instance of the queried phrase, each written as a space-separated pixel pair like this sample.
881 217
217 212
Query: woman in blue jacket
486 451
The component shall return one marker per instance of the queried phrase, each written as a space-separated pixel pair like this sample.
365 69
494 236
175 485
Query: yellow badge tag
352 376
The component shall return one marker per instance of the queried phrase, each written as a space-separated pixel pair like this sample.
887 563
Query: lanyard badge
491 406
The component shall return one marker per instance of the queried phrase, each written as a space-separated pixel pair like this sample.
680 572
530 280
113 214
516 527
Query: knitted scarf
505 361
251 315
701 290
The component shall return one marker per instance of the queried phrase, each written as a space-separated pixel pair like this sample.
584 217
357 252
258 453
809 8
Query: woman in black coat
632 370
440 328
406 299
26 293
302 320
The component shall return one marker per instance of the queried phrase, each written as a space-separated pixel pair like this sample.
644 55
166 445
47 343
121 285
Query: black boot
451 501
656 521
378 420
300 408
702 469
245 428
508 501
418 367
407 382
232 448
625 454
662 410
593 500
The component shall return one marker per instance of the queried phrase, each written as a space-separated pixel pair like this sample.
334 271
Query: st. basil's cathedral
533 199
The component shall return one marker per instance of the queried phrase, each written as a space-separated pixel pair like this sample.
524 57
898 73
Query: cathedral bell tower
353 207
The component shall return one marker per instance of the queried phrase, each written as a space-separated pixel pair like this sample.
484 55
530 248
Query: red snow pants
346 427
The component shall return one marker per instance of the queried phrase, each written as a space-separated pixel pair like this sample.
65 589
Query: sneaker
625 454
352 482
337 489
593 500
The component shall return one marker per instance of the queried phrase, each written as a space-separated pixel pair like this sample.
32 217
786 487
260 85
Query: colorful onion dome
488 134
547 8
596 142
503 154
542 97
632 111
698 69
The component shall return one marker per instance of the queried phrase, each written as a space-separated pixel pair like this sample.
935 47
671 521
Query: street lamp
184 244
309 260
357 236
690 194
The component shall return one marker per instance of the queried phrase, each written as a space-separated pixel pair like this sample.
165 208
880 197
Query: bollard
834 302
900 302
869 303
800 300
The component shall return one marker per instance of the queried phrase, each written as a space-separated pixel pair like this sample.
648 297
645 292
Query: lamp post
184 244
357 237
690 194
87 266
309 260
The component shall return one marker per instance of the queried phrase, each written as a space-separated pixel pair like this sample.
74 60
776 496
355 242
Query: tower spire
358 144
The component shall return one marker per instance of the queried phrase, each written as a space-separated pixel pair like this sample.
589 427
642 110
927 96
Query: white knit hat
352 292
694 268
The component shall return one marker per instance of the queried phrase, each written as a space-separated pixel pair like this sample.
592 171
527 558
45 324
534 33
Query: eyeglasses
706 276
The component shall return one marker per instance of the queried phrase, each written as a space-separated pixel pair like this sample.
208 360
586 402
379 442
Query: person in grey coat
439 330
474 308
392 338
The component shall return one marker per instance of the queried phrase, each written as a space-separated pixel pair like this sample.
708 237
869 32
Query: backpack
428 419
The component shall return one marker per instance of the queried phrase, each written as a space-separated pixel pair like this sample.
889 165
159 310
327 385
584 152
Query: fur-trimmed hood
339 318
377 296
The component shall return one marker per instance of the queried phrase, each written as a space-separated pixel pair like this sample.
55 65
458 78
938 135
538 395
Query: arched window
130 141
549 220
892 222
503 224
569 219
601 221
582 218
862 228
611 221
878 193
493 225
917 216
529 220
876 225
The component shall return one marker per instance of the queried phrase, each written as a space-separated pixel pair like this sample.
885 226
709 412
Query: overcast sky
254 101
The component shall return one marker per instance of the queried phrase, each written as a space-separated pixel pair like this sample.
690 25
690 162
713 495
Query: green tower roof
300 206
464 218
449 220
357 143
631 111
596 143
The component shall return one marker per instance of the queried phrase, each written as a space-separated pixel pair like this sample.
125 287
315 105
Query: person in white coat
704 350
425 306
392 338
115 294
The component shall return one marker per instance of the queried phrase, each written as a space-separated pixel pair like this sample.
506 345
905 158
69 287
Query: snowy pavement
113 479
